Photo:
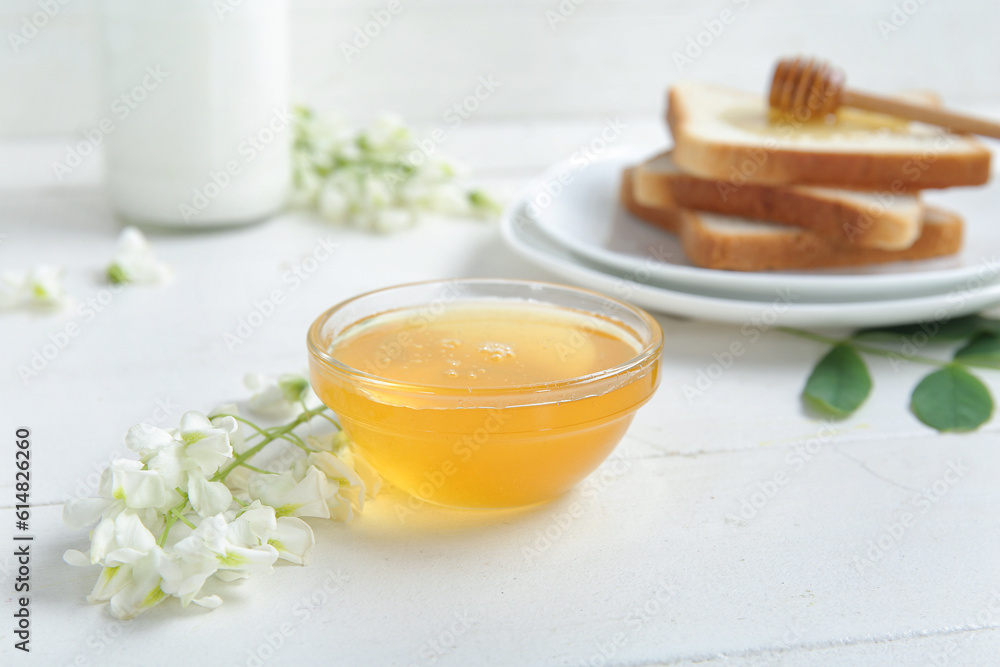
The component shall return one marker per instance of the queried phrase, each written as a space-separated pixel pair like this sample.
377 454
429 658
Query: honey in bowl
486 401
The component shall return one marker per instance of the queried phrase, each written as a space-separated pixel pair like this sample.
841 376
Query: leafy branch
950 398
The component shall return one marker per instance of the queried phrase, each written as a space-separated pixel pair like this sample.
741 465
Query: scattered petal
135 262
37 287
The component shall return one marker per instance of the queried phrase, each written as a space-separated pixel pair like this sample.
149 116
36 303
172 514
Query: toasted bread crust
668 217
844 221
871 171
806 250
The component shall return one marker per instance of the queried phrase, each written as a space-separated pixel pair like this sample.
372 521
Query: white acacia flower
237 439
258 525
333 203
126 530
184 578
278 397
292 496
350 183
206 497
141 589
345 483
307 185
147 440
253 526
293 539
132 540
39 287
376 194
372 480
135 262
338 444
110 581
205 446
139 488
197 443
209 540
82 512
124 484
388 134
171 464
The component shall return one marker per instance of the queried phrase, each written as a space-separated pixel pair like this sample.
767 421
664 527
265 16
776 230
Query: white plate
584 216
783 307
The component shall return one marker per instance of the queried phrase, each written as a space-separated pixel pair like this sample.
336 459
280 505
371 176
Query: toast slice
714 241
733 136
866 219
668 216
723 242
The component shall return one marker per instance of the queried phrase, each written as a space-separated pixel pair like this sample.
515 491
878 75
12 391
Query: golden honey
485 404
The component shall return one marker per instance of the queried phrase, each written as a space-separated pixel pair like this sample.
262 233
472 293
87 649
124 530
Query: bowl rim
649 352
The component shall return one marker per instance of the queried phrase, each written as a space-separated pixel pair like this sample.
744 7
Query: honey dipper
812 88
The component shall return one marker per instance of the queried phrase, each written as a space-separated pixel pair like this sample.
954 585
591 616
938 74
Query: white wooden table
733 529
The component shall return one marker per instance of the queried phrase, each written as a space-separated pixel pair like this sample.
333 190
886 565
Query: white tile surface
763 524
655 555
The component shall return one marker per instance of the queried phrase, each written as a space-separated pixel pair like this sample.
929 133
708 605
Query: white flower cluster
193 509
379 178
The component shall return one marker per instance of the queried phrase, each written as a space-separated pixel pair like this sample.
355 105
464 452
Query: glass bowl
484 446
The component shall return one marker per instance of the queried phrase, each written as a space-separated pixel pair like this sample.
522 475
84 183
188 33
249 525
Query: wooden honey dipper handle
812 89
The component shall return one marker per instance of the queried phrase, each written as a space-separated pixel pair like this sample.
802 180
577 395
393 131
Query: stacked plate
570 223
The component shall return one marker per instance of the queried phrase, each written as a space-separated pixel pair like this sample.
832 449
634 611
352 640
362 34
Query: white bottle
197 96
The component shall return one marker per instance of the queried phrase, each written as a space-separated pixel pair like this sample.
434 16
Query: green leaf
840 383
952 399
989 325
960 328
983 351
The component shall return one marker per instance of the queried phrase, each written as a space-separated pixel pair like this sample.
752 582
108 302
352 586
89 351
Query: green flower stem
861 347
272 435
256 469
175 512
331 420
340 163
275 430
249 423
297 441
